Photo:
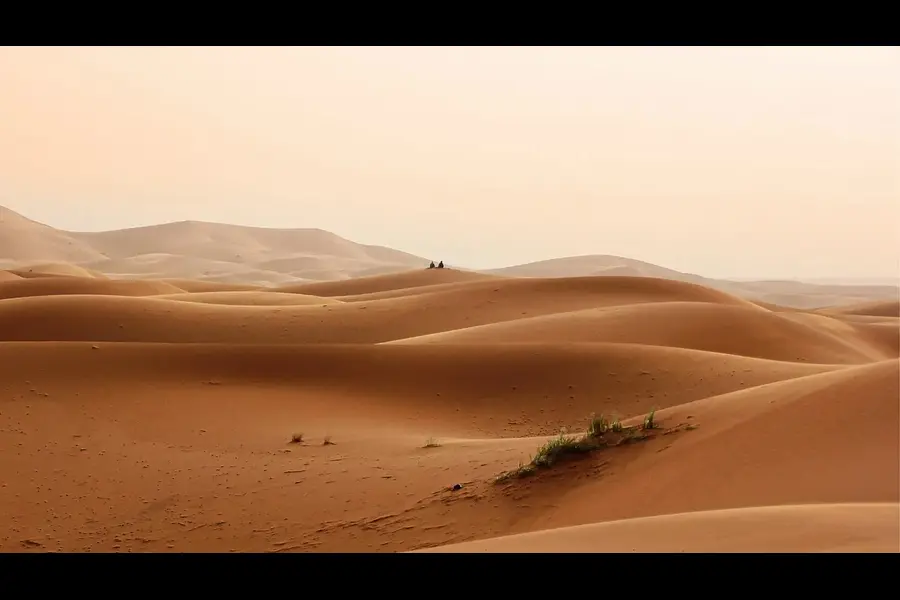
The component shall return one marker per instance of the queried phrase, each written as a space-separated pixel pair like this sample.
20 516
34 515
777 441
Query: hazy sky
773 162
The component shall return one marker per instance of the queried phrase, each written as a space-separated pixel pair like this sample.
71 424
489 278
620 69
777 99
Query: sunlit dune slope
389 282
7 276
63 286
153 320
826 438
804 528
251 298
706 326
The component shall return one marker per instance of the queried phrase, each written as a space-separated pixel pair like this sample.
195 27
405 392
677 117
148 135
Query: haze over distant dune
253 256
194 250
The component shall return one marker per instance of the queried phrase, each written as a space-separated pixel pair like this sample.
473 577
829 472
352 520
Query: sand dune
156 413
809 528
251 298
44 287
160 265
824 438
873 309
582 266
57 270
524 390
239 255
206 426
703 326
196 285
394 282
110 318
24 240
796 294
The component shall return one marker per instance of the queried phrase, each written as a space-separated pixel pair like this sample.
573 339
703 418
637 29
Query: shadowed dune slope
463 390
73 318
825 438
389 282
64 286
711 327
804 528
251 298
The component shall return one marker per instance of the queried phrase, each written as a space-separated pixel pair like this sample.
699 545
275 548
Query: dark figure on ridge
431 266
440 265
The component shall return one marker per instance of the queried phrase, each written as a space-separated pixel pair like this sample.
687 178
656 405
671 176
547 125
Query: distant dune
235 255
385 283
63 286
788 293
872 309
196 387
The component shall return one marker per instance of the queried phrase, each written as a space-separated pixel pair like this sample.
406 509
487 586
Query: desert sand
395 408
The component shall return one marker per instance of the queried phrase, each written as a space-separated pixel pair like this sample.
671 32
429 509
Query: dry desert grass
381 414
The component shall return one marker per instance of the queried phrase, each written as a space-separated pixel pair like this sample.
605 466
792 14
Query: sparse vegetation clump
297 438
431 443
601 433
649 421
327 441
560 446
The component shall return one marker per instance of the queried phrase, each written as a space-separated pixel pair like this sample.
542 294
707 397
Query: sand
157 415
221 257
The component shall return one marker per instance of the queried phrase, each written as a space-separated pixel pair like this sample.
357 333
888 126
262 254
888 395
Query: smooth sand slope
728 329
250 298
43 287
157 415
810 528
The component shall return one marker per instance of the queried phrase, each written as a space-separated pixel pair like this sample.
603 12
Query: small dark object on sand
456 487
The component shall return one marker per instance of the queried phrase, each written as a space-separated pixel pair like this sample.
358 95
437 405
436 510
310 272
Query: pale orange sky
743 162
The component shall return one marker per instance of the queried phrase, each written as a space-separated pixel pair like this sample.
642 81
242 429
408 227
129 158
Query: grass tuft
598 426
431 443
296 438
601 433
650 421
560 446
